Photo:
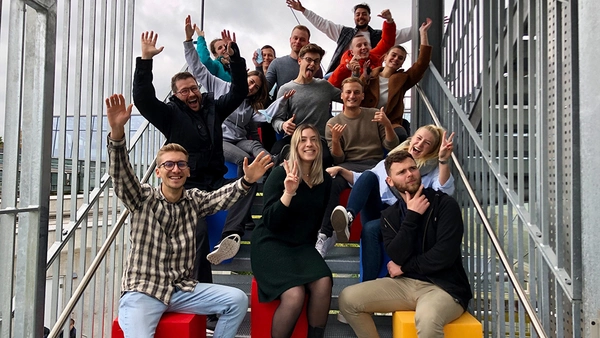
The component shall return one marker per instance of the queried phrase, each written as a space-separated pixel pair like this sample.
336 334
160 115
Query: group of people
402 198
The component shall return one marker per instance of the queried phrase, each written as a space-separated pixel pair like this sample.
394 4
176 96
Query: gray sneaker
325 243
341 220
228 248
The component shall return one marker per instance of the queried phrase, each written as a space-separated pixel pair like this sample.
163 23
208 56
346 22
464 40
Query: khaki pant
433 306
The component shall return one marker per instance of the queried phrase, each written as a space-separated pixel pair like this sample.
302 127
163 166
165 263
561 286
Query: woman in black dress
285 263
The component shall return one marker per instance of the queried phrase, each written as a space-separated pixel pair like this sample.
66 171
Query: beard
361 27
410 188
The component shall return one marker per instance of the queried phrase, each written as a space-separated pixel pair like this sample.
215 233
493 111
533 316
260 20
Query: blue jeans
370 247
139 313
365 198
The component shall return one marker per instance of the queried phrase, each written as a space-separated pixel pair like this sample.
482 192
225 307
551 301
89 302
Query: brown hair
257 100
302 28
212 46
171 147
271 48
353 80
316 169
180 76
363 5
396 157
311 48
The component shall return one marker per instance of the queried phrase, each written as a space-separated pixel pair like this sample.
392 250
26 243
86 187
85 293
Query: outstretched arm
332 30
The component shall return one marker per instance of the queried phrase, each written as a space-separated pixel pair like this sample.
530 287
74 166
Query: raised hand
446 147
425 25
149 49
226 36
381 117
199 32
289 126
336 131
394 269
295 5
418 202
291 181
189 28
354 65
255 59
257 168
117 115
386 14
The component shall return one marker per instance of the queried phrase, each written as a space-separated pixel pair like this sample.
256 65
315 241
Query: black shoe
211 323
283 155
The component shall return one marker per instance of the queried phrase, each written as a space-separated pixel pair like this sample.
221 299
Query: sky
255 22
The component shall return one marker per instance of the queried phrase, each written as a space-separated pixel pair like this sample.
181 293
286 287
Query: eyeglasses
309 60
186 91
170 165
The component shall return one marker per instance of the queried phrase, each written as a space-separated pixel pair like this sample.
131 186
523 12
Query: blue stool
215 223
384 260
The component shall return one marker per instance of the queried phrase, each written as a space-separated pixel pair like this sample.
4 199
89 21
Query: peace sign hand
291 181
446 147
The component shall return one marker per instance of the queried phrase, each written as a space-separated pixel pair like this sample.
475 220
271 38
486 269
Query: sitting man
356 139
426 271
158 274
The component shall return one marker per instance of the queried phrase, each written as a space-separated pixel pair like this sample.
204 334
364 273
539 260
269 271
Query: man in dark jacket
194 120
422 234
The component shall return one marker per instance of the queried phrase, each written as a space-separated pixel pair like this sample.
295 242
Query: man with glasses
309 104
194 120
158 274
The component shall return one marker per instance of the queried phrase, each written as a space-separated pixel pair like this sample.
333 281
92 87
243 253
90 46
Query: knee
349 301
238 302
321 287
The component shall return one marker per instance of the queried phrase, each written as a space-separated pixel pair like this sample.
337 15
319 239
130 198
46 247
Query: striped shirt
163 244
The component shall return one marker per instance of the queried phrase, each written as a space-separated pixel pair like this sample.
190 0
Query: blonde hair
316 169
171 147
437 133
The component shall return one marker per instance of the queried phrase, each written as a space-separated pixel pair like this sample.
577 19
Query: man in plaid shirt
158 273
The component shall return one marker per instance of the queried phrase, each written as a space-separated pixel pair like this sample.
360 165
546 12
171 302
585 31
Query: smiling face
175 178
361 18
395 58
352 94
360 47
404 176
298 40
254 84
193 98
221 49
308 146
421 143
268 55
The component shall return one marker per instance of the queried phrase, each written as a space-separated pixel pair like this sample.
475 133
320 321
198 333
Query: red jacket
388 38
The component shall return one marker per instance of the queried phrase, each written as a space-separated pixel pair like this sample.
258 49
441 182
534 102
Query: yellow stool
465 326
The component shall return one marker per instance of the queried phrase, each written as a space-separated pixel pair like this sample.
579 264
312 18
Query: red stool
171 324
356 228
261 316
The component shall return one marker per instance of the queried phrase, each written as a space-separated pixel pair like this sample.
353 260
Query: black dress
283 253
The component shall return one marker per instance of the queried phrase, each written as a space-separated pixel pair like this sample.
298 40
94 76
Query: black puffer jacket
438 257
200 133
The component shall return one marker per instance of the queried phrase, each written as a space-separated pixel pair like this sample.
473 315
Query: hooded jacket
438 257
199 132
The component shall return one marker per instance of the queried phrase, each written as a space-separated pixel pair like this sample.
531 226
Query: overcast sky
255 22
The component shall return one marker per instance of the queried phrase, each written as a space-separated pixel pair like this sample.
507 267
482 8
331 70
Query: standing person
268 136
386 86
422 234
343 35
285 69
285 264
371 194
240 135
194 120
361 55
267 55
158 272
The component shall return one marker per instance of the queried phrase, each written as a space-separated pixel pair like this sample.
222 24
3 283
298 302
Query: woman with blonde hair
283 256
371 194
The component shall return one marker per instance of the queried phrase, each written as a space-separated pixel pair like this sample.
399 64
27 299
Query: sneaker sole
339 223
227 249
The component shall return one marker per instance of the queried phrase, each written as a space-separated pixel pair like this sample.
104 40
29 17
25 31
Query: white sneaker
228 248
325 243
341 220
341 319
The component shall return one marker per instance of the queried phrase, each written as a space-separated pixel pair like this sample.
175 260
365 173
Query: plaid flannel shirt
162 236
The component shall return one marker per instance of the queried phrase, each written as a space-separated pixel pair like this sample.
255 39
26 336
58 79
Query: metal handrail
535 321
